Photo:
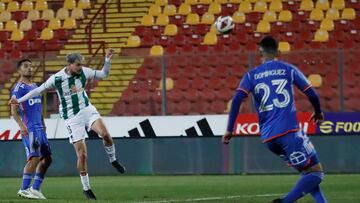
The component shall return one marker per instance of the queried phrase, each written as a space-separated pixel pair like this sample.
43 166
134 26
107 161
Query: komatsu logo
34 101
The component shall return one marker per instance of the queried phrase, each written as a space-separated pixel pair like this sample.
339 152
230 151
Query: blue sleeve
245 84
18 92
314 99
235 107
300 79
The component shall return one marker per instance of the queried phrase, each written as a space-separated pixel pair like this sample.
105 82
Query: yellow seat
322 4
5 16
221 1
205 1
210 39
162 20
245 7
69 23
156 50
263 27
338 4
321 36
77 13
327 24
170 10
192 19
11 25
207 18
133 41
62 13
214 8
41 5
17 35
161 2
260 7
276 6
84 4
348 14
235 1
147 20
2 6
171 30
332 14
315 80
13 6
285 16
284 47
307 5
269 16
1 27
238 17
154 10
27 6
252 1
184 9
169 84
317 15
25 25
190 2
48 14
213 29
47 34
54 24
33 15
69 4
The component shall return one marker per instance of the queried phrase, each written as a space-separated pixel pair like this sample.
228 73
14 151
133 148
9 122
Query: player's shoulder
19 86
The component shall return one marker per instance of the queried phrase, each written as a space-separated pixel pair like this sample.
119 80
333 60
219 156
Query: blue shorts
36 144
296 149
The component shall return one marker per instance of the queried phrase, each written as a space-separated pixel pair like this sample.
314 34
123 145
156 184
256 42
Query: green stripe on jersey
74 96
58 86
83 82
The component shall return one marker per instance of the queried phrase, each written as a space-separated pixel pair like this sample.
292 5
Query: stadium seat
147 20
47 34
33 15
12 6
77 13
69 4
260 7
156 50
327 24
31 35
54 24
317 15
276 6
322 5
307 5
207 18
52 45
11 25
19 15
239 17
263 27
24 45
170 10
15 54
170 30
210 39
133 41
162 20
184 9
315 80
62 14
161 2
269 16
154 10
84 4
192 19
338 4
27 5
285 16
214 8
25 25
5 16
47 14
41 5
205 1
2 6
284 47
61 34
348 14
332 14
245 7
39 24
8 45
17 35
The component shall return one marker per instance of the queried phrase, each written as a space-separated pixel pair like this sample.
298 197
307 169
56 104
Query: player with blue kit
271 85
28 116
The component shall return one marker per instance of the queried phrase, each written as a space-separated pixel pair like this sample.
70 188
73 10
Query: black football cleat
89 195
118 166
277 201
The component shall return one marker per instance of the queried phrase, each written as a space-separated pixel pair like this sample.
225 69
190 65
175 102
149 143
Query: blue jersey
30 110
271 85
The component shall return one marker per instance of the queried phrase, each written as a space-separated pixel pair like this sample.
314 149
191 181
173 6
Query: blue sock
318 195
305 185
38 181
26 181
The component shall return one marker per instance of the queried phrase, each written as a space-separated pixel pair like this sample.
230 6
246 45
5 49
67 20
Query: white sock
85 182
110 151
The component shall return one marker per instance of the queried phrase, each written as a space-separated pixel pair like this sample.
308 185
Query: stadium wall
185 155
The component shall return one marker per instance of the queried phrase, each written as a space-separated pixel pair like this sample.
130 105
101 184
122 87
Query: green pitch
163 189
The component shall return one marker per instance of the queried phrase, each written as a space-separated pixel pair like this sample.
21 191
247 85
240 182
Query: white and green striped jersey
71 90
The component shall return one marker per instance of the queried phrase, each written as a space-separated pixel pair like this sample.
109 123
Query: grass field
163 189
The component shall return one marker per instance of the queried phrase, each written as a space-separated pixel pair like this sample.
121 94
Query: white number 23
280 83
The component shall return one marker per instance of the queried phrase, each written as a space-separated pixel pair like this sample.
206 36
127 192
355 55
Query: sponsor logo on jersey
34 101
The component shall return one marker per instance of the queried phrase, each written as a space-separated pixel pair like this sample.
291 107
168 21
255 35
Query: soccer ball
224 24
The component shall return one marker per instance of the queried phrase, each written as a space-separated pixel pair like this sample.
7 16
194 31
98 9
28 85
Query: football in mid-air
224 24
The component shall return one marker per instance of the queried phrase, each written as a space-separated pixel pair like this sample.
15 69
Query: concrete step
108 30
104 100
107 83
101 35
5 114
105 94
108 89
116 15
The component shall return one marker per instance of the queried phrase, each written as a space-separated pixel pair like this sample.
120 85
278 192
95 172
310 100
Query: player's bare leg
28 172
99 127
81 153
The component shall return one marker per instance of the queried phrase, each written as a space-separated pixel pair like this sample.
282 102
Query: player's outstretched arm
105 71
33 93
315 101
